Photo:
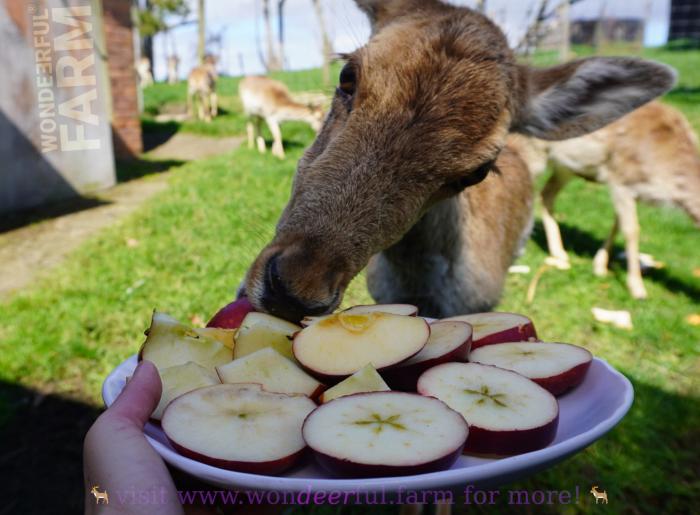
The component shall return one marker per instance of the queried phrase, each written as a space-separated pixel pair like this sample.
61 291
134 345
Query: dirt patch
187 147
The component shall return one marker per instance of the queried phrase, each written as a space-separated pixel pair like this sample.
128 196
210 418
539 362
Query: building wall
126 123
55 136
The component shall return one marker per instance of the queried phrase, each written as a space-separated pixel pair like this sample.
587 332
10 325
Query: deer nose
279 301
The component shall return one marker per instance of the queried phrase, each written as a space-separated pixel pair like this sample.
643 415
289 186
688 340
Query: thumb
140 396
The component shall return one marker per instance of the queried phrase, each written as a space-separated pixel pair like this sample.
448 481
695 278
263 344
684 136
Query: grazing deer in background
599 495
173 64
398 177
267 99
650 154
201 87
143 69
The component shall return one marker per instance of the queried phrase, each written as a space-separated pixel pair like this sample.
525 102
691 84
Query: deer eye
347 80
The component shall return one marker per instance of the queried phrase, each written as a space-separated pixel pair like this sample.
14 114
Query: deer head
421 112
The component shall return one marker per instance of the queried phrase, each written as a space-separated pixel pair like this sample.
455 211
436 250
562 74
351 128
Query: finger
140 396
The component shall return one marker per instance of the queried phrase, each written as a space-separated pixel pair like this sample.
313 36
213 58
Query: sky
239 25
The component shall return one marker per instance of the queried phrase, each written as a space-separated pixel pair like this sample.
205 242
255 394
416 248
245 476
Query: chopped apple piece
225 336
182 379
340 345
366 379
169 343
557 367
363 309
273 371
231 315
238 427
260 330
497 327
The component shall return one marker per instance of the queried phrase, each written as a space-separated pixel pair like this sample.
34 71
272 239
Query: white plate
585 415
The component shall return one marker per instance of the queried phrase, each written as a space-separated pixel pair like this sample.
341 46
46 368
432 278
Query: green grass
196 239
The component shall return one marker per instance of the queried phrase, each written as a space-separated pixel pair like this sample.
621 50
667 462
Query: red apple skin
505 443
252 467
347 468
231 315
405 378
520 333
559 384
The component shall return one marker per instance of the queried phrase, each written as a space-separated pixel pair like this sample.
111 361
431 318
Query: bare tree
534 33
273 61
565 35
481 6
201 32
280 29
326 46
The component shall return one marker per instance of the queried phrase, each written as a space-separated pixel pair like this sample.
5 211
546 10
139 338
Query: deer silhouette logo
99 495
599 495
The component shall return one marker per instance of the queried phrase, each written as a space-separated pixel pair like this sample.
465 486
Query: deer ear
582 96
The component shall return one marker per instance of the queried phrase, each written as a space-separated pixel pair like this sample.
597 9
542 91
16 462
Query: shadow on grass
583 243
18 219
137 168
157 133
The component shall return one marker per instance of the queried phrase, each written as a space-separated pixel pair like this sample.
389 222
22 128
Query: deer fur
267 99
651 154
420 116
143 69
201 87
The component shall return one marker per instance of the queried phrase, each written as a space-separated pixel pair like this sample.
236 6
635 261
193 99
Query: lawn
186 250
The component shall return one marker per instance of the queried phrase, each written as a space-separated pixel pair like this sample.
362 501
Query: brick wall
126 125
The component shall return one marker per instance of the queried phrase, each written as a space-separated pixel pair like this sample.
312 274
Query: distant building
685 20
583 32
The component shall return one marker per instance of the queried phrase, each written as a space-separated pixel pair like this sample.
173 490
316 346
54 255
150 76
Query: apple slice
341 344
182 379
225 336
557 367
507 413
238 427
498 328
169 343
231 315
449 341
363 309
260 330
365 380
273 371
385 434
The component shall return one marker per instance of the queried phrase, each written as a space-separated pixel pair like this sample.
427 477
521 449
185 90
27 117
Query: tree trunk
280 30
326 46
481 6
565 43
273 63
201 32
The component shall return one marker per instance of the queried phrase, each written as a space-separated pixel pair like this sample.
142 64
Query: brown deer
143 69
398 177
267 99
201 86
99 496
651 154
599 495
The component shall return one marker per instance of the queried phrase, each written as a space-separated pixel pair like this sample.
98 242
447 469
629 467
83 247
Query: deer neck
293 111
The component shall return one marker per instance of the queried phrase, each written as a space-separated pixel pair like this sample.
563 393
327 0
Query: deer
266 99
201 86
99 496
599 495
143 69
650 154
173 63
410 175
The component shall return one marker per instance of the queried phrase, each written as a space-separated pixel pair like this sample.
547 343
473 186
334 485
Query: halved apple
238 427
169 343
273 371
449 341
225 336
507 413
341 344
557 367
260 330
497 327
367 379
231 315
363 309
385 434
181 379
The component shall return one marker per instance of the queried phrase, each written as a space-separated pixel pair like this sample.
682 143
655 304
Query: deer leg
443 508
602 257
190 111
214 104
258 135
557 255
250 131
626 209
277 148
411 509
206 106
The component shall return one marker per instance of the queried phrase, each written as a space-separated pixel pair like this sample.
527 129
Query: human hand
118 458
